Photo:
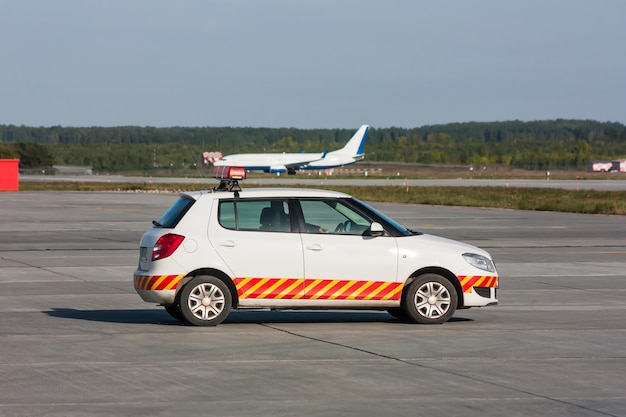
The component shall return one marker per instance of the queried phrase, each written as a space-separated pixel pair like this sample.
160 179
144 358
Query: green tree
34 155
8 151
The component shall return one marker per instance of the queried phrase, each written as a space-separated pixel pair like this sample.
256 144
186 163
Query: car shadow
316 316
140 316
157 316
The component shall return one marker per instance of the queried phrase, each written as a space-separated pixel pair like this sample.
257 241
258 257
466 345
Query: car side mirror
376 229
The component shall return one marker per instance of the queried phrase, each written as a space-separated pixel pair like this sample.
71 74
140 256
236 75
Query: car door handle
316 247
228 244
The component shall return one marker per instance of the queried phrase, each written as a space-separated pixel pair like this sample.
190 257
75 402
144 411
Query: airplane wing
285 162
301 163
291 167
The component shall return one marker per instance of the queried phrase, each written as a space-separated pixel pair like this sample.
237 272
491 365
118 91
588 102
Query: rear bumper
160 289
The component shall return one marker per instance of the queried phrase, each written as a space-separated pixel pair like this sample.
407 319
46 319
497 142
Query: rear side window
264 215
176 212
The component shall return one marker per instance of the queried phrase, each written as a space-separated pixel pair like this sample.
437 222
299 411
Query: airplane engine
278 169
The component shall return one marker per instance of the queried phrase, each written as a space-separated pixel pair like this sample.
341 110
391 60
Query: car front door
341 260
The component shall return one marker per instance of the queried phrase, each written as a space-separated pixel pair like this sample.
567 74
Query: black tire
431 299
399 313
205 301
174 311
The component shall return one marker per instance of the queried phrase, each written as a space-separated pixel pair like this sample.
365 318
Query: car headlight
480 262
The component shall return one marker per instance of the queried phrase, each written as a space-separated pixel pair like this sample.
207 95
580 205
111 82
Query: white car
226 248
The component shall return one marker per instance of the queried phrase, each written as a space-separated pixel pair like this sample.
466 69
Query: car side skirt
316 304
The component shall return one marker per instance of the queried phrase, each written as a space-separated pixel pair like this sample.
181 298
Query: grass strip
538 199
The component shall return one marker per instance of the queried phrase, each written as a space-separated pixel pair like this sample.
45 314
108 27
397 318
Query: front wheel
205 301
399 313
431 299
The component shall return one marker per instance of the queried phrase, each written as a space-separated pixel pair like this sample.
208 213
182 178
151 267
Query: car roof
269 192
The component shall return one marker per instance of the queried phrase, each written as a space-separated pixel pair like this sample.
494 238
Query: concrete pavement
76 340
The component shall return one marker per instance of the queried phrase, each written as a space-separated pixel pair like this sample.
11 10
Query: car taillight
166 245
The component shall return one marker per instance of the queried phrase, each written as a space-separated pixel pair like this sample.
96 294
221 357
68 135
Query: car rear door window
271 215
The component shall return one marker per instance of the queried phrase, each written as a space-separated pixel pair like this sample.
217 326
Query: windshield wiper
156 223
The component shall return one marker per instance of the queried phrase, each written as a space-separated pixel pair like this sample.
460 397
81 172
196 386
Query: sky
310 63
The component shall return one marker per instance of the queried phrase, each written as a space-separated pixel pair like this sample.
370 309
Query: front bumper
479 291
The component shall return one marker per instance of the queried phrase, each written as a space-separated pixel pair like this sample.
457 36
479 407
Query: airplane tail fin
355 145
210 157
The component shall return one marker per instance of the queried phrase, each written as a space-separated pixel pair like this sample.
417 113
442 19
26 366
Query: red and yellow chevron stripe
469 281
157 283
311 289
317 289
287 288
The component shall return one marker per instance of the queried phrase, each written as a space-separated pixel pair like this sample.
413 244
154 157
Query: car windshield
402 231
176 212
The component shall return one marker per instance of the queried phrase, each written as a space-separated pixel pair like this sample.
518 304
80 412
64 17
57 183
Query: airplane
290 162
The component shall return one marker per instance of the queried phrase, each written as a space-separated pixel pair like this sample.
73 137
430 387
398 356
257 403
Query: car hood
445 244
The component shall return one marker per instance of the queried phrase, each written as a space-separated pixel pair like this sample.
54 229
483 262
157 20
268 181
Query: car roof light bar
229 173
229 178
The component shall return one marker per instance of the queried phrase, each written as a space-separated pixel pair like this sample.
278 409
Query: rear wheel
174 311
205 301
431 299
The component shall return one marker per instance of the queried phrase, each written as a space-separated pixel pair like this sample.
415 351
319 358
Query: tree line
531 145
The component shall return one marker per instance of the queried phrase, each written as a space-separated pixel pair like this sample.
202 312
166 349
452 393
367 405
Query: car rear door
253 237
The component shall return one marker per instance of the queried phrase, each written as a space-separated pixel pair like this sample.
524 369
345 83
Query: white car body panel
247 254
377 258
434 251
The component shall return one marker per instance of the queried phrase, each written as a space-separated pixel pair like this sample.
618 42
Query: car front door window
332 217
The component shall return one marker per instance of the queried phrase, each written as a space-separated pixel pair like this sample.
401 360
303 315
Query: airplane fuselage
291 162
